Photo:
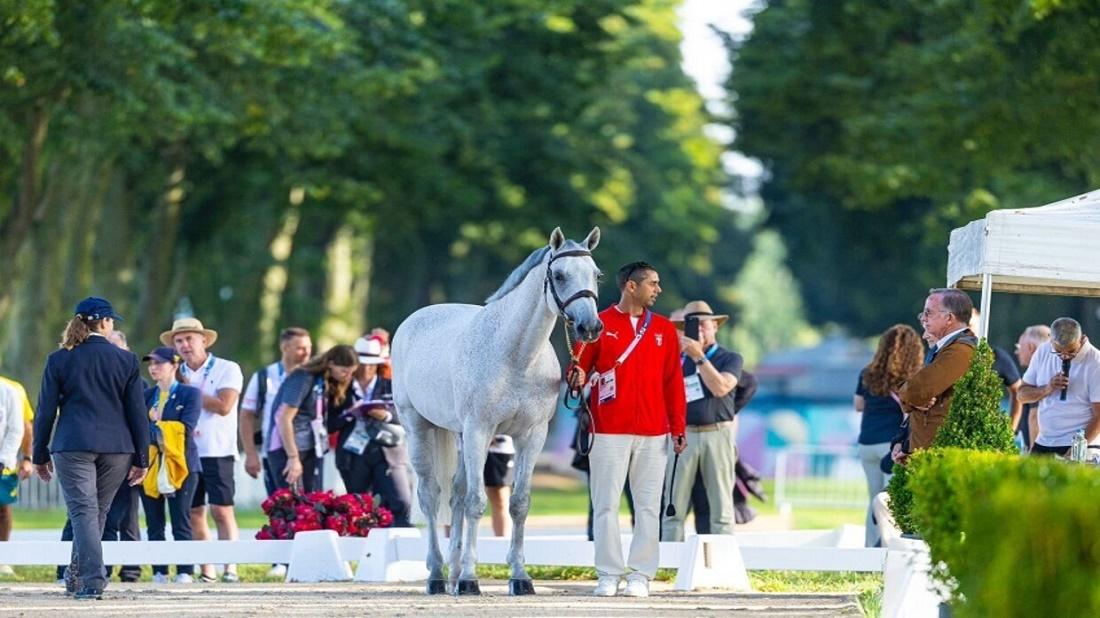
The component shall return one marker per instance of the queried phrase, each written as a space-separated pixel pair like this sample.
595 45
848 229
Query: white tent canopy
1052 249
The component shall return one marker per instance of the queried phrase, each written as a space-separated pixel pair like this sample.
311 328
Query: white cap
369 351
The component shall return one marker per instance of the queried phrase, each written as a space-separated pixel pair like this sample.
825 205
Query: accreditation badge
693 387
607 386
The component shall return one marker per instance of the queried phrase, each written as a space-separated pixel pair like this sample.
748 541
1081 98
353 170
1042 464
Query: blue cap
162 354
96 308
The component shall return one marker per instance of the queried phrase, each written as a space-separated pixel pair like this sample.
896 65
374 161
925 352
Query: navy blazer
184 406
97 387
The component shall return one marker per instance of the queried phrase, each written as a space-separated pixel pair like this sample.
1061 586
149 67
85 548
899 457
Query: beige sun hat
700 309
188 325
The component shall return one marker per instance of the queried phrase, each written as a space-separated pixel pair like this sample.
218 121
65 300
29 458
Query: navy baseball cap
162 354
96 308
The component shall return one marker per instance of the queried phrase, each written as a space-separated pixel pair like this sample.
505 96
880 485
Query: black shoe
87 594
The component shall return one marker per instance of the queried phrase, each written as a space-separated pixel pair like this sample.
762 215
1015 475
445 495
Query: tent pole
987 297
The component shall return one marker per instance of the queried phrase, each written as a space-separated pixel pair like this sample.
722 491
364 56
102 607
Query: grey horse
463 373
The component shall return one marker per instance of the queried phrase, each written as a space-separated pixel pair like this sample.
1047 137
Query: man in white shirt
1064 377
296 347
220 381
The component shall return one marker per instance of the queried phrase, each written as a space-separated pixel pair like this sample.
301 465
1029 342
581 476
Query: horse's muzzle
589 331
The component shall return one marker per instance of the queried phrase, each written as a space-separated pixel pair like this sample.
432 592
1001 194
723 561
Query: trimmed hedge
1019 536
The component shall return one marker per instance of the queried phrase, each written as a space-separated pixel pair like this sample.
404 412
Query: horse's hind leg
527 450
475 449
458 514
422 447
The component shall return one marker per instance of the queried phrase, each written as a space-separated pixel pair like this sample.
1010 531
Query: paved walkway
553 599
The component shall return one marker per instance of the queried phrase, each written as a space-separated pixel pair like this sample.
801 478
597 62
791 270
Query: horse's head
571 282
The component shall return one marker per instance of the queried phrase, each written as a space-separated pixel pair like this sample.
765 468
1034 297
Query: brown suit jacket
936 379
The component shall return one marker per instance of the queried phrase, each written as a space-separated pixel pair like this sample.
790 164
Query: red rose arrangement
349 515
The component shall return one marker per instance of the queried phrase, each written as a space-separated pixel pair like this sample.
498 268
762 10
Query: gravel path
554 598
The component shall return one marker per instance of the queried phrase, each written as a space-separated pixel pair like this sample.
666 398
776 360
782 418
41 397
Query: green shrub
974 421
1019 536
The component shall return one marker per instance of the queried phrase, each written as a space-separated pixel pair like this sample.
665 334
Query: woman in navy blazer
170 399
101 436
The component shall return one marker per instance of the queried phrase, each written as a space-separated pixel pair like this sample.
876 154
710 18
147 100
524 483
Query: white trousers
614 458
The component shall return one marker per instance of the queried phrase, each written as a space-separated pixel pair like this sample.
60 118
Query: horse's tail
446 464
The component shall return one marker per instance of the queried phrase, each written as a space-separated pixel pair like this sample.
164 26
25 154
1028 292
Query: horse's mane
517 276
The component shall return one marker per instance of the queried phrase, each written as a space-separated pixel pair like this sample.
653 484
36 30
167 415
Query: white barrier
909 590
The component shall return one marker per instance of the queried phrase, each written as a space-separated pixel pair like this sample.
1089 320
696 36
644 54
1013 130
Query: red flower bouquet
349 515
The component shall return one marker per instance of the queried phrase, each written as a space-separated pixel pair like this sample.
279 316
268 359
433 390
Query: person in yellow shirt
15 448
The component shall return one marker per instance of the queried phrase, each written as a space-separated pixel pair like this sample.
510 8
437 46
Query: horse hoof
520 587
467 587
437 586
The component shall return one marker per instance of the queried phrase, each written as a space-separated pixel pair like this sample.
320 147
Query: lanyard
206 369
637 338
156 399
319 397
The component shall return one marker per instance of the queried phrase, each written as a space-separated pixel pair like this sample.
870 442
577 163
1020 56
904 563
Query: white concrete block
712 561
315 557
383 560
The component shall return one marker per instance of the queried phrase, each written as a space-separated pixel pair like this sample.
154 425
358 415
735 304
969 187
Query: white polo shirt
1059 420
275 376
216 435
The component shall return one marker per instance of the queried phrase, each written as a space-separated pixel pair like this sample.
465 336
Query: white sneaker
6 571
607 586
183 578
160 578
637 585
279 570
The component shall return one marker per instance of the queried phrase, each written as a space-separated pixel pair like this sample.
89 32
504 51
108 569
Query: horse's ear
593 238
557 239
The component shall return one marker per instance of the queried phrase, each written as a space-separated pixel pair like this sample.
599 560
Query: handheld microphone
1065 372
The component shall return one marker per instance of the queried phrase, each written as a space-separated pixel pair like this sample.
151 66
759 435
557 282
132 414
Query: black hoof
467 586
520 587
437 586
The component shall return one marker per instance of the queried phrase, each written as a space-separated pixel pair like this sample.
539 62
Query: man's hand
252 465
137 475
928 406
691 347
898 456
25 469
679 443
44 471
1057 383
576 377
293 470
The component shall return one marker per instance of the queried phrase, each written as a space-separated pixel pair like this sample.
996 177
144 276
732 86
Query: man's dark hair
292 332
956 302
634 271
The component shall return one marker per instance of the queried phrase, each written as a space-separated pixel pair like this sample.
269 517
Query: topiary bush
974 421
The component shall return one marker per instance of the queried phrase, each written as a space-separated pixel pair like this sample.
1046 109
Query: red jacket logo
660 338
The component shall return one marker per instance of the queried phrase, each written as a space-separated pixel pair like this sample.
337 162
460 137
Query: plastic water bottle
1080 447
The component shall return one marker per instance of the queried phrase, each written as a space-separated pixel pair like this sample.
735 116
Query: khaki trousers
715 454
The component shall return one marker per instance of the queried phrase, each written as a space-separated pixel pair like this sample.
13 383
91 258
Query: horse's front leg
475 449
528 448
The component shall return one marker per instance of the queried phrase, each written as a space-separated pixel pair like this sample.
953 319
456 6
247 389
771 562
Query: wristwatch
701 361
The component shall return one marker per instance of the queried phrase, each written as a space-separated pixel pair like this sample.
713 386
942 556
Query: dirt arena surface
554 598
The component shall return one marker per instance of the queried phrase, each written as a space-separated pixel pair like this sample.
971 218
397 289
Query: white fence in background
819 476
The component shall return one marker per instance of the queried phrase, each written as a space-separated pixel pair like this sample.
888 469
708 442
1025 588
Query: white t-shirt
216 435
275 376
1059 420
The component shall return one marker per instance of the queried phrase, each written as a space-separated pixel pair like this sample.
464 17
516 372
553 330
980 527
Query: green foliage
974 421
883 127
963 499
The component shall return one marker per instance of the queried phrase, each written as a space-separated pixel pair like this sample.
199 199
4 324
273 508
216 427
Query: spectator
295 347
174 409
638 401
1045 381
24 469
371 454
926 397
1030 339
711 374
1006 369
100 437
219 380
311 394
897 358
498 480
11 437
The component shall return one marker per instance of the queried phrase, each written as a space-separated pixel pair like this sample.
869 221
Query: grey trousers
870 455
715 454
89 482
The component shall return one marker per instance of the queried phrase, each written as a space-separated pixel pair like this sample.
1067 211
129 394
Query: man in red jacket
637 401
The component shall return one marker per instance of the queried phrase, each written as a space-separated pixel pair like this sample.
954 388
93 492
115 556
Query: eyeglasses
927 313
1065 354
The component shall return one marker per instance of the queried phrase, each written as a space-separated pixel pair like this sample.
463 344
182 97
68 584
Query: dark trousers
179 509
121 525
700 505
270 484
629 504
89 482
311 469
371 473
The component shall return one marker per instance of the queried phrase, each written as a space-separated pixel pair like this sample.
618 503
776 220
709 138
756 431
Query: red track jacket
650 398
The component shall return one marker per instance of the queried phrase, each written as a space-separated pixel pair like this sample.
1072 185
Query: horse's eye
559 276
599 276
